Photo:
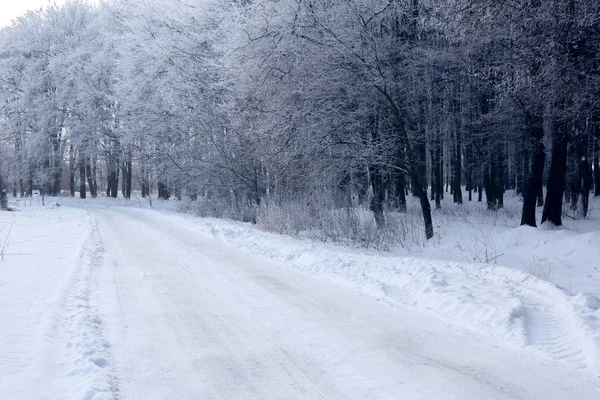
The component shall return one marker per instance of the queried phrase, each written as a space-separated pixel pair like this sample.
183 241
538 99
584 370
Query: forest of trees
244 104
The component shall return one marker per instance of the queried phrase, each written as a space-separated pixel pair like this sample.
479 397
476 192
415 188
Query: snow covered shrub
539 268
219 207
319 216
477 213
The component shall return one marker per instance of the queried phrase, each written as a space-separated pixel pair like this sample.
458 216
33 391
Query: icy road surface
188 317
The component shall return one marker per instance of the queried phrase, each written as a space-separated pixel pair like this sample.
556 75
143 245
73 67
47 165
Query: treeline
324 103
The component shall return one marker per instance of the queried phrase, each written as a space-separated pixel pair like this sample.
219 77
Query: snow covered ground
568 256
114 300
50 334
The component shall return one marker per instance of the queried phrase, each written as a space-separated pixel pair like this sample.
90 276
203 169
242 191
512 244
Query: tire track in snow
545 330
85 359
551 328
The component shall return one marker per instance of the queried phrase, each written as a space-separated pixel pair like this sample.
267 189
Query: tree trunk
420 168
596 166
540 196
163 192
573 176
534 182
128 179
584 170
30 188
3 197
432 173
457 192
114 190
400 190
88 173
469 167
586 186
404 142
94 190
425 206
556 180
143 182
439 177
82 173
123 179
596 176
72 170
440 158
378 198
499 180
488 175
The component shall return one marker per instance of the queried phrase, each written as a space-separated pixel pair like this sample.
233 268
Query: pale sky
10 9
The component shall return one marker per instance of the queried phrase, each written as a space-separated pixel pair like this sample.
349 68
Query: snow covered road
189 317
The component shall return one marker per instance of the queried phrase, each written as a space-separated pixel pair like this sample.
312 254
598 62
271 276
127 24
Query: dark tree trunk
400 190
432 173
163 192
143 183
94 190
451 169
123 179
425 207
596 175
556 180
30 188
441 171
376 177
525 163
499 180
114 190
488 175
3 197
72 170
584 174
493 181
457 192
573 175
469 167
378 198
143 180
404 142
56 169
420 169
534 182
540 196
128 179
586 171
57 176
82 170
439 177
88 172
596 162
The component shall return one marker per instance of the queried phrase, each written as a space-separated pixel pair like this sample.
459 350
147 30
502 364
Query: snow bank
509 305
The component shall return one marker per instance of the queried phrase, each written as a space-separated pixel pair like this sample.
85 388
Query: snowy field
117 299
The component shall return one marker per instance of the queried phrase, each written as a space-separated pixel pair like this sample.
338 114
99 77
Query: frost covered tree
264 107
